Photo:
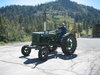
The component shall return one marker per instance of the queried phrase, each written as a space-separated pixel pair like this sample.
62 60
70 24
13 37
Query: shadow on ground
36 61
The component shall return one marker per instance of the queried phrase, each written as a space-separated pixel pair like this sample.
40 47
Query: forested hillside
18 22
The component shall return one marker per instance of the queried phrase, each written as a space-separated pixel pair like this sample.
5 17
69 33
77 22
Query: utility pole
45 19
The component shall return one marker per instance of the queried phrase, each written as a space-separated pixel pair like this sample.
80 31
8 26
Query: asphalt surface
85 60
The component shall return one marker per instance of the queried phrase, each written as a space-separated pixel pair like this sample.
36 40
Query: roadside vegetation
18 22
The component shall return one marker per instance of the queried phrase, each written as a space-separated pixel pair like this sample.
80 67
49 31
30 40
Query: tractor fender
69 34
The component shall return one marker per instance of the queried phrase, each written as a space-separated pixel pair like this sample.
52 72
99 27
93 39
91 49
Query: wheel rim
26 50
44 53
69 44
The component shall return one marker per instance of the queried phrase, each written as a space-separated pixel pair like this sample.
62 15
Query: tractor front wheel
43 53
25 50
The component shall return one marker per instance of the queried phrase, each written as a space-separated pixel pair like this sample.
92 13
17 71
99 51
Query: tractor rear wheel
25 50
68 44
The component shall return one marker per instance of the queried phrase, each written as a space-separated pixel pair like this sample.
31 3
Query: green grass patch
25 39
2 43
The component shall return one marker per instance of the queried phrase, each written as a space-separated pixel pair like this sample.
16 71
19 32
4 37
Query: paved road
85 61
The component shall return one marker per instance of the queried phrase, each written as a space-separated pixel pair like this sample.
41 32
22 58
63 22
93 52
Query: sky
93 3
22 2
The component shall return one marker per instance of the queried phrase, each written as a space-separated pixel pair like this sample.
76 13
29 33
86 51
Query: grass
14 42
25 39
2 43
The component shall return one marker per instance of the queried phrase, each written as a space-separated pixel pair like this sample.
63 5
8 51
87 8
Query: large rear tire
25 50
68 44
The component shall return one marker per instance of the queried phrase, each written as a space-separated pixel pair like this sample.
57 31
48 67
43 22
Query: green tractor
47 42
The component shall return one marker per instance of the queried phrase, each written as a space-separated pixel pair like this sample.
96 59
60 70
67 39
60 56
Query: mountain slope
23 20
74 10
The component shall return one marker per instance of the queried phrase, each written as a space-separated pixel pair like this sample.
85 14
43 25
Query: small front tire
25 50
43 53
